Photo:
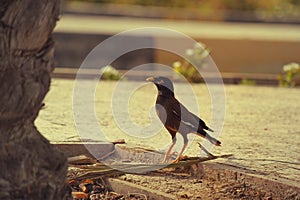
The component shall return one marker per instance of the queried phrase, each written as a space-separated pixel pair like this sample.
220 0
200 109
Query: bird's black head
163 84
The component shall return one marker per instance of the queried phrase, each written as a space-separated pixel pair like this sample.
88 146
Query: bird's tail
213 140
209 129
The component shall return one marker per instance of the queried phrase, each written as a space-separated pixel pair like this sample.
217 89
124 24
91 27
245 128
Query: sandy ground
261 126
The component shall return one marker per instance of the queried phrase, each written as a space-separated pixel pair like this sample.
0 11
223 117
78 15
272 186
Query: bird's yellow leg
180 154
168 152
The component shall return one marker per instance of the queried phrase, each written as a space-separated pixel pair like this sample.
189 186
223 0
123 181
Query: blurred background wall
247 36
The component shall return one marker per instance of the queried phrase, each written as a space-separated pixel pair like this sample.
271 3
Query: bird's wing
200 121
186 116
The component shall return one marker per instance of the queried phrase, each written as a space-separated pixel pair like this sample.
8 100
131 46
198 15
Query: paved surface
261 126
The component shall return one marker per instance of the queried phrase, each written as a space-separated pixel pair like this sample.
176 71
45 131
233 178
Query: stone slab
94 150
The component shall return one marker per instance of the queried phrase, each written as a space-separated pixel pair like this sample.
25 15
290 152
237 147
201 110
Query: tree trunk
30 168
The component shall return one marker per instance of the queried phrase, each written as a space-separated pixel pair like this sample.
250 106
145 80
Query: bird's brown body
176 117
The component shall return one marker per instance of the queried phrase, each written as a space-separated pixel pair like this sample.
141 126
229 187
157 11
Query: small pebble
169 190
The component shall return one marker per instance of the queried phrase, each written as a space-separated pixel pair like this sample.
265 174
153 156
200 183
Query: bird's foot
176 160
175 153
179 158
167 157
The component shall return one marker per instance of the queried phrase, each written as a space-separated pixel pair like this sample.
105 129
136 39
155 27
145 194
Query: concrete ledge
229 78
124 187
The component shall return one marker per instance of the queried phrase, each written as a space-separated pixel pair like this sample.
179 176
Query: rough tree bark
30 168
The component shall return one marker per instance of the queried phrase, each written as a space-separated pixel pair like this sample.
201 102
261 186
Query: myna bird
176 117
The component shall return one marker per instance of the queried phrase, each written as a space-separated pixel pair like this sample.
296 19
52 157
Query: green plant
246 81
193 56
287 78
110 73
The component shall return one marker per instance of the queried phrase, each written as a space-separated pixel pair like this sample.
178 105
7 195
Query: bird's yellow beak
150 79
